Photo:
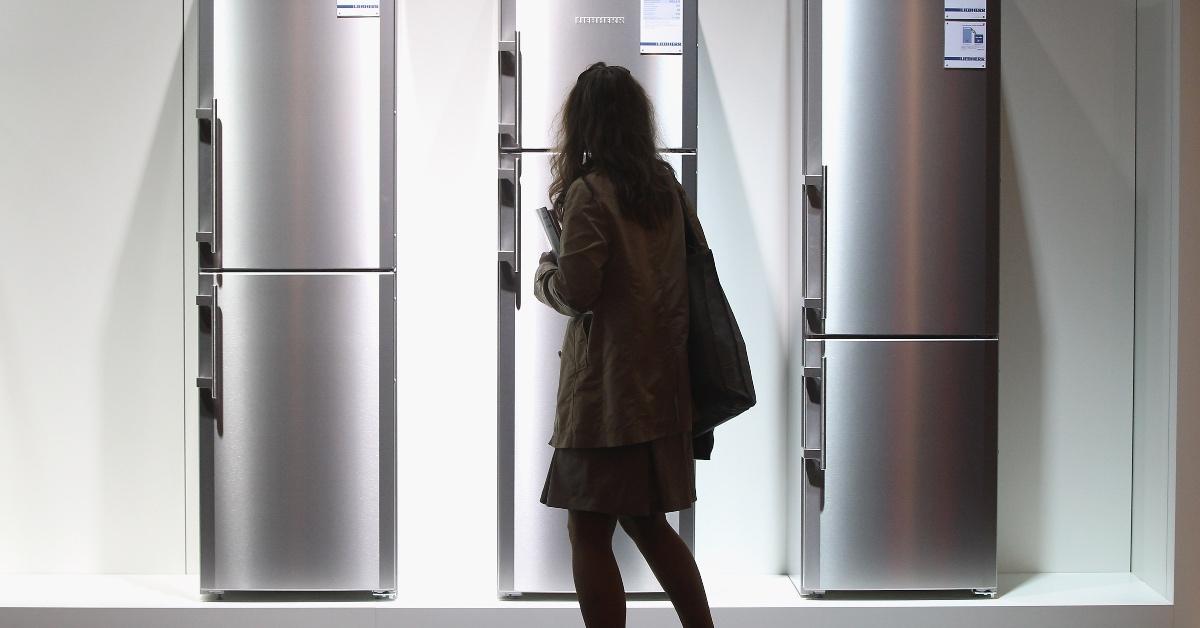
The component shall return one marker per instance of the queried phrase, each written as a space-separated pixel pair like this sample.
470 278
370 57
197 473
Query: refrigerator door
906 433
535 553
297 431
545 44
910 194
297 132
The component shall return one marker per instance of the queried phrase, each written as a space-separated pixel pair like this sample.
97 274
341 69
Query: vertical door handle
824 413
213 382
209 231
510 65
816 193
824 293
509 182
818 453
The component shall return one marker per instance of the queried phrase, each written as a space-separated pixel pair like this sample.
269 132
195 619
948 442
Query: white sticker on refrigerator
966 45
358 9
662 27
966 9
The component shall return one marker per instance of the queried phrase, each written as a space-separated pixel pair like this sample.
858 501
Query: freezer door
297 432
535 553
910 197
900 481
545 44
296 136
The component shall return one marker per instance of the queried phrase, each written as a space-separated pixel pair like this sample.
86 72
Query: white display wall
447 166
97 409
446 300
1156 298
1067 262
1066 284
742 197
91 287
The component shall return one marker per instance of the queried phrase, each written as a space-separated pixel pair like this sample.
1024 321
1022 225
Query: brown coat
623 378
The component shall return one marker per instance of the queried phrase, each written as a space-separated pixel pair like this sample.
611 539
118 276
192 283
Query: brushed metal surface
387 135
907 145
811 242
534 548
207 412
387 431
555 49
812 486
387 301
508 289
294 499
909 498
300 129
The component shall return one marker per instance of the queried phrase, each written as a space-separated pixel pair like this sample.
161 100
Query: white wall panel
446 301
1157 252
742 198
93 298
1066 285
91 377
187 242
446 180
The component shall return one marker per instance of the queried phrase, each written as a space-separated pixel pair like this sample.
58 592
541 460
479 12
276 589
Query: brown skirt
651 477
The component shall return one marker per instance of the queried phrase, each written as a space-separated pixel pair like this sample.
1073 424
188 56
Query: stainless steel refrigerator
296 295
899 294
544 45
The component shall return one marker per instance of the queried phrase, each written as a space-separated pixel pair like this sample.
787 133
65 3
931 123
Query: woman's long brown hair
607 127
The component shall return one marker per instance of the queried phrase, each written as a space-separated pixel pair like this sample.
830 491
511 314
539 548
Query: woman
622 429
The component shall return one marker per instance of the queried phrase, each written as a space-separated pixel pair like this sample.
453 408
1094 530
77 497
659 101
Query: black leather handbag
722 387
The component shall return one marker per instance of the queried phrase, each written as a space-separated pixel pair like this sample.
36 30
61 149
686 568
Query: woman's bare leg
597 578
674 566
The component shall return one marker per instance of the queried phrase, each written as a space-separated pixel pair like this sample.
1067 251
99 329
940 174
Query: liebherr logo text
600 20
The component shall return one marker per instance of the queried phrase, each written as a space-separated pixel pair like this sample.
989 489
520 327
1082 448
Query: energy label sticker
357 9
662 27
966 45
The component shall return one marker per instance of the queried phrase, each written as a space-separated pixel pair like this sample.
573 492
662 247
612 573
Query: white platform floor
1025 600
